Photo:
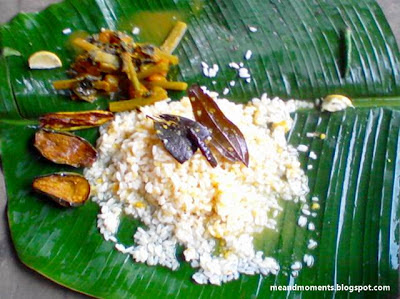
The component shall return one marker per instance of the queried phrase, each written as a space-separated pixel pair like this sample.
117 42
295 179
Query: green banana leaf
297 53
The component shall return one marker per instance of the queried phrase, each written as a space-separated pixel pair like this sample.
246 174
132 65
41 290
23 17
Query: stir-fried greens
111 63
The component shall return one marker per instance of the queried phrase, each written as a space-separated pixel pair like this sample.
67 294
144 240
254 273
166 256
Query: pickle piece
65 148
67 189
69 121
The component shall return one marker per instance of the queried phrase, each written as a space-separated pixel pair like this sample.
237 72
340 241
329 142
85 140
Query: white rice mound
193 204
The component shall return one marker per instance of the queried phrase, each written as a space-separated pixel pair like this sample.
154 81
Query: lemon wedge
44 60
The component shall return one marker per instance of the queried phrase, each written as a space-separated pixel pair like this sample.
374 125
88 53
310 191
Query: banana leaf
297 53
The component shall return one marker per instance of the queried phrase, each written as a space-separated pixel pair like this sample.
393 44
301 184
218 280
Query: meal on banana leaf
203 173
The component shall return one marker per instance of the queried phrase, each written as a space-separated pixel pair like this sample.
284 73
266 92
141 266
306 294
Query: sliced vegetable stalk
226 136
130 71
65 148
69 121
155 69
182 137
175 37
171 85
157 94
65 84
67 189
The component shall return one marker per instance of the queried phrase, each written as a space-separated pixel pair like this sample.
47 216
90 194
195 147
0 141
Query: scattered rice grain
312 244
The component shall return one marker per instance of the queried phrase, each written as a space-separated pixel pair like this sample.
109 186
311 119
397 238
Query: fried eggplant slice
67 189
65 148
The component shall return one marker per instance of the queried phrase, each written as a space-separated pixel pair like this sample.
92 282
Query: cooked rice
193 204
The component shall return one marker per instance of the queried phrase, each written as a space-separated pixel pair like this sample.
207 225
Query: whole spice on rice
65 148
226 136
202 144
111 63
182 137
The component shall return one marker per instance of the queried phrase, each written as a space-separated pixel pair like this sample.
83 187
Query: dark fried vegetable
85 65
226 137
69 121
65 148
97 54
182 137
67 189
85 90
